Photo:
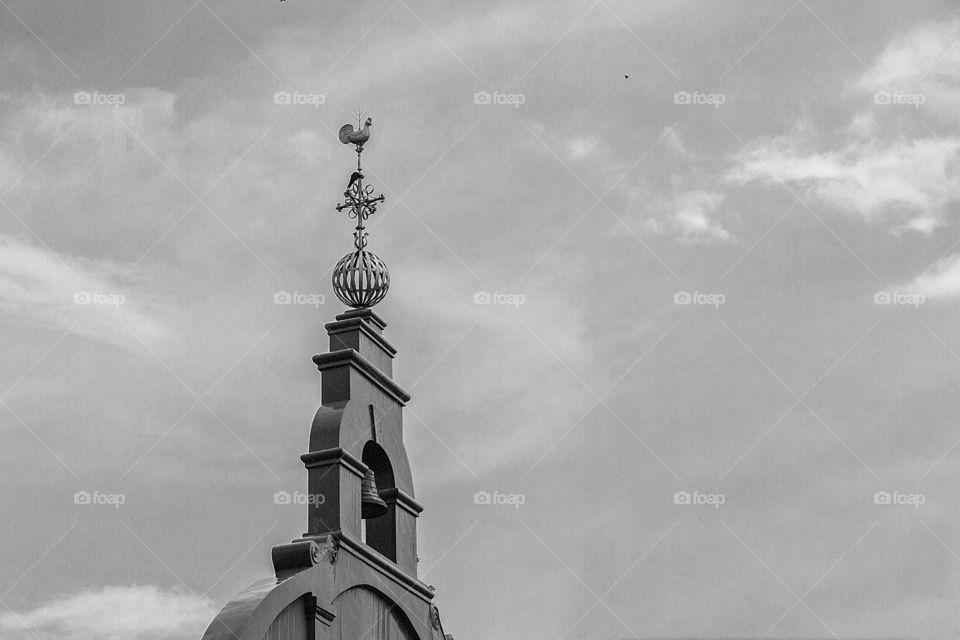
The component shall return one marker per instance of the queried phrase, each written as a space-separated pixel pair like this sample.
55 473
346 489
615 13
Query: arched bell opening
379 517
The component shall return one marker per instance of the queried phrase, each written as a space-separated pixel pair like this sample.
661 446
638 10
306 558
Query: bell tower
356 458
353 573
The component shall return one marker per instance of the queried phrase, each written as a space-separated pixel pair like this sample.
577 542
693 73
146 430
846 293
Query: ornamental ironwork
360 278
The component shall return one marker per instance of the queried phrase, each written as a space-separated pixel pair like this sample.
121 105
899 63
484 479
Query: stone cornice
353 358
402 500
378 562
333 456
342 326
368 315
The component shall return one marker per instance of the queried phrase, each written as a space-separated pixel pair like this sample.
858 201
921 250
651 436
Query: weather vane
360 279
359 199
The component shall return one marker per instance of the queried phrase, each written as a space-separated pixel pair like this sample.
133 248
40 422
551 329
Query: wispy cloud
64 291
683 208
583 148
925 60
909 182
942 281
113 613
871 168
690 218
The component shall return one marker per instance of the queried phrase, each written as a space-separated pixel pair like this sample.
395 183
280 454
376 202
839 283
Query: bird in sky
356 175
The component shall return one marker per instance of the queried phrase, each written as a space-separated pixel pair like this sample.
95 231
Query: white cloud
583 148
113 613
64 291
863 124
943 281
671 139
690 217
571 148
924 224
687 214
906 181
688 210
912 54
924 60
885 178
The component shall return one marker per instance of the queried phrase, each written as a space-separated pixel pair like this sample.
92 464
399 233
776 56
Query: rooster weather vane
359 199
360 279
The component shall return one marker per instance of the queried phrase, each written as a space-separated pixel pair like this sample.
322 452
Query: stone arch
268 606
292 622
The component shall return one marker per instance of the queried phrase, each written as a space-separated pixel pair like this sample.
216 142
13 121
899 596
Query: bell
371 506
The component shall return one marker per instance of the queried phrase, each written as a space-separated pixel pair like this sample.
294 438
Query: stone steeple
347 576
358 427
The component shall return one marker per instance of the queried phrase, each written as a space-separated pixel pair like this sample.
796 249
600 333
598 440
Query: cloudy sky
716 390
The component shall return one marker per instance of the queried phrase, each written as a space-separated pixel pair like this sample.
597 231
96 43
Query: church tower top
354 571
356 459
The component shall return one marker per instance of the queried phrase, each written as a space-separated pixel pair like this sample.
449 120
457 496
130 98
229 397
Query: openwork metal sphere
361 279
